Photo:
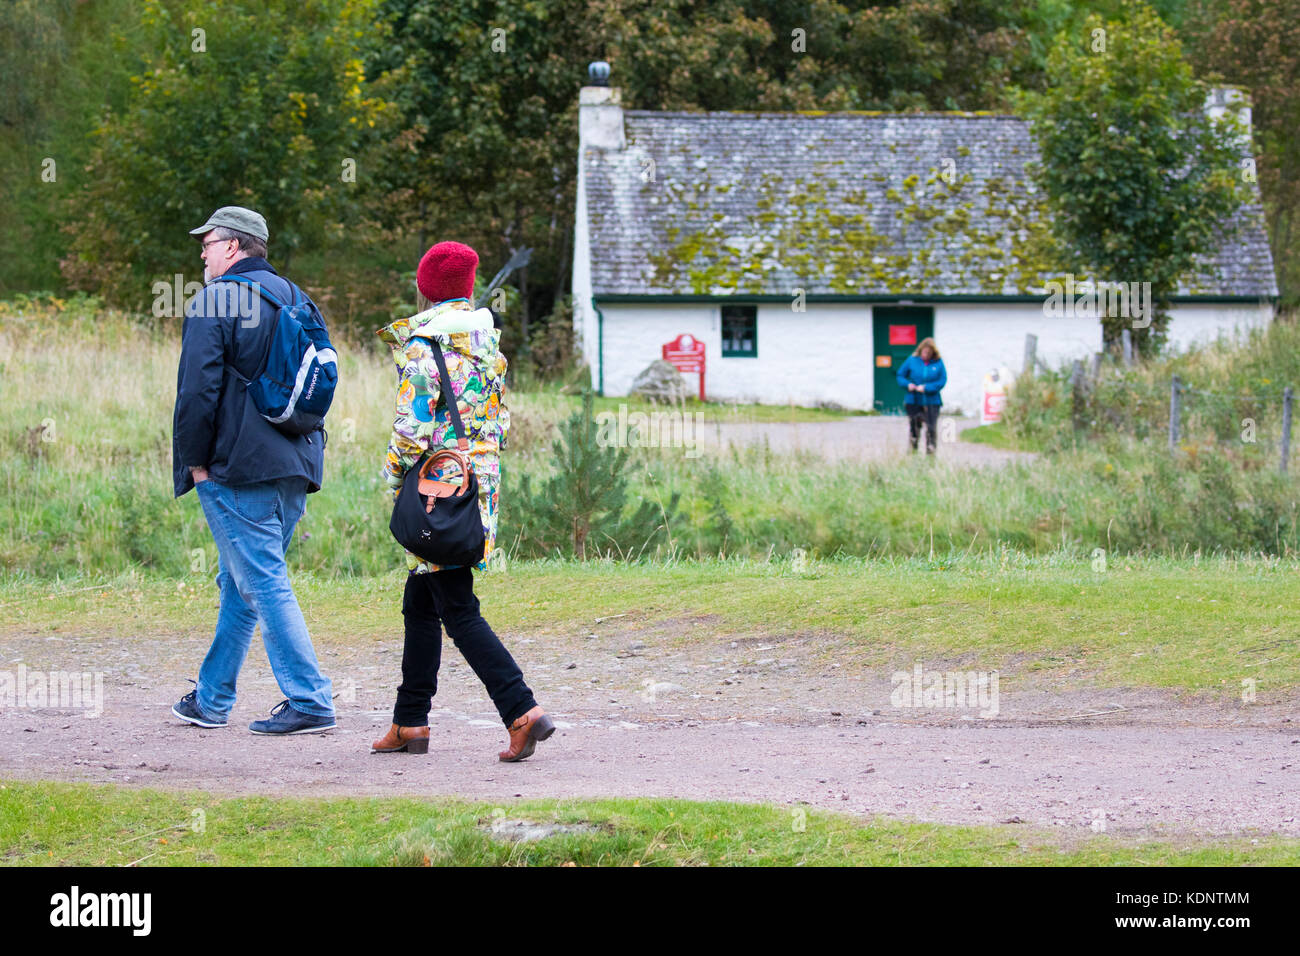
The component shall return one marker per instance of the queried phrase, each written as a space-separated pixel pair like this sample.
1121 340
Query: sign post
686 354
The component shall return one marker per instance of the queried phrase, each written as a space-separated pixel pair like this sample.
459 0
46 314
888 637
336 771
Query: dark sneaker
285 720
188 710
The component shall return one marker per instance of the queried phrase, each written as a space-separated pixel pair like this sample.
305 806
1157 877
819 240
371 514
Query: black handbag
435 520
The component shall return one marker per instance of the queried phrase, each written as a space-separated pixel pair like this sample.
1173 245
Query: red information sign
686 353
902 335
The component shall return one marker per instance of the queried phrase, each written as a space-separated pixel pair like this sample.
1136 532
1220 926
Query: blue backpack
295 384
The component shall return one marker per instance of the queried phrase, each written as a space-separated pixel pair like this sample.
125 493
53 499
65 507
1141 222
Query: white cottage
810 251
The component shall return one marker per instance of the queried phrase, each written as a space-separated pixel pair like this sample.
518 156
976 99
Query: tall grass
1121 500
1231 398
86 402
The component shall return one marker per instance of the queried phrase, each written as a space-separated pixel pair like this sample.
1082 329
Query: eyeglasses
211 241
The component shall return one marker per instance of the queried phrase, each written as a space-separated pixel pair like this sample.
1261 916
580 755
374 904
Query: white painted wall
1201 324
825 354
584 313
600 129
975 338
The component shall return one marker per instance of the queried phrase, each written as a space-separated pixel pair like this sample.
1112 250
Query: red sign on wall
902 335
686 353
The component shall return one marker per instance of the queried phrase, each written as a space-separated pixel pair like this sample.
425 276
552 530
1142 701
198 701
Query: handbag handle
430 490
432 461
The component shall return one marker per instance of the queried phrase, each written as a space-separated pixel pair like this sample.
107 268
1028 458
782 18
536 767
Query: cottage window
740 331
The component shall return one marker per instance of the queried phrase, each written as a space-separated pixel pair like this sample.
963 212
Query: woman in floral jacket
438 595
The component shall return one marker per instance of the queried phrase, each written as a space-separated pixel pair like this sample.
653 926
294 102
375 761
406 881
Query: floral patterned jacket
477 370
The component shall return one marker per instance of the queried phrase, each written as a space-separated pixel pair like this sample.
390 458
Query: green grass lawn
1192 625
724 412
997 436
76 824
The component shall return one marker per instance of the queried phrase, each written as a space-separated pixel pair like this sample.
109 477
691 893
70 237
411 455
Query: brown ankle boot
524 734
414 740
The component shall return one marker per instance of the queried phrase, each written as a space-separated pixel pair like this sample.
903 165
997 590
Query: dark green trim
903 299
1224 299
600 346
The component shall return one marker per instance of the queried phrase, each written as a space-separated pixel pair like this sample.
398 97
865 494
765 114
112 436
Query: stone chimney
1224 99
600 110
600 131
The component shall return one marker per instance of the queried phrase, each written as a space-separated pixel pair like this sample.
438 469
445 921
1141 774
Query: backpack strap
298 297
449 395
270 339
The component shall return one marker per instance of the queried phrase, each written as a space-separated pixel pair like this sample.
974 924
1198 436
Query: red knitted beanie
447 272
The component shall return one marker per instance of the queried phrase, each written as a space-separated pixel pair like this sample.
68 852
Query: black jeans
447 597
916 414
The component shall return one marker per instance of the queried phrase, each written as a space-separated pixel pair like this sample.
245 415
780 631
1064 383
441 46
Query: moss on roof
771 203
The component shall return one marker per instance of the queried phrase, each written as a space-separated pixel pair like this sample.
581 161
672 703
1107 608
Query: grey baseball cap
235 217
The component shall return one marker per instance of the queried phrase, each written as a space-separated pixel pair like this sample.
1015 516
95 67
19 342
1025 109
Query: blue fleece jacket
931 376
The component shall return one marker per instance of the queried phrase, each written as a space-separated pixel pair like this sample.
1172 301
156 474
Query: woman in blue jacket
923 375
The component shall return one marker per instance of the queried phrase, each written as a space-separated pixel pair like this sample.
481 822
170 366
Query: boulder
661 382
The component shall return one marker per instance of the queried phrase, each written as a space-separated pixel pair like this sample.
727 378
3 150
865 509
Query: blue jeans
252 525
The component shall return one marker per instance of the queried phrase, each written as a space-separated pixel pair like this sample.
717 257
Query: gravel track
654 714
858 439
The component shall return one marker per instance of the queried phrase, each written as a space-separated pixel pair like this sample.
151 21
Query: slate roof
840 203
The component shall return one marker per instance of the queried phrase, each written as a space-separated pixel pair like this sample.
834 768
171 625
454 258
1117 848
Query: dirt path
864 438
657 713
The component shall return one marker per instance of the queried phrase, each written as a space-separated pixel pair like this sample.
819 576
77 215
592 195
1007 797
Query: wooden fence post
1126 337
1175 410
1076 395
1286 428
1096 366
1031 352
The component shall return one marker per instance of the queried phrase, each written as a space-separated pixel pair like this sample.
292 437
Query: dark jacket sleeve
198 383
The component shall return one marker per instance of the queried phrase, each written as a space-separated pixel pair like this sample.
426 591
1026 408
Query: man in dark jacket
252 481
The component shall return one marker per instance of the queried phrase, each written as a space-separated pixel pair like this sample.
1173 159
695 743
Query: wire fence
1261 421
1255 425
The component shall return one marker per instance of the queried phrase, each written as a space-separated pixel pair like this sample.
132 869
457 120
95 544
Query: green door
896 330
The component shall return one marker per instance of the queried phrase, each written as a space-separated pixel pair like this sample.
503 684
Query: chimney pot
600 111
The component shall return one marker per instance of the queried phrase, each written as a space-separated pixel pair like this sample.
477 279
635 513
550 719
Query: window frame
722 325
